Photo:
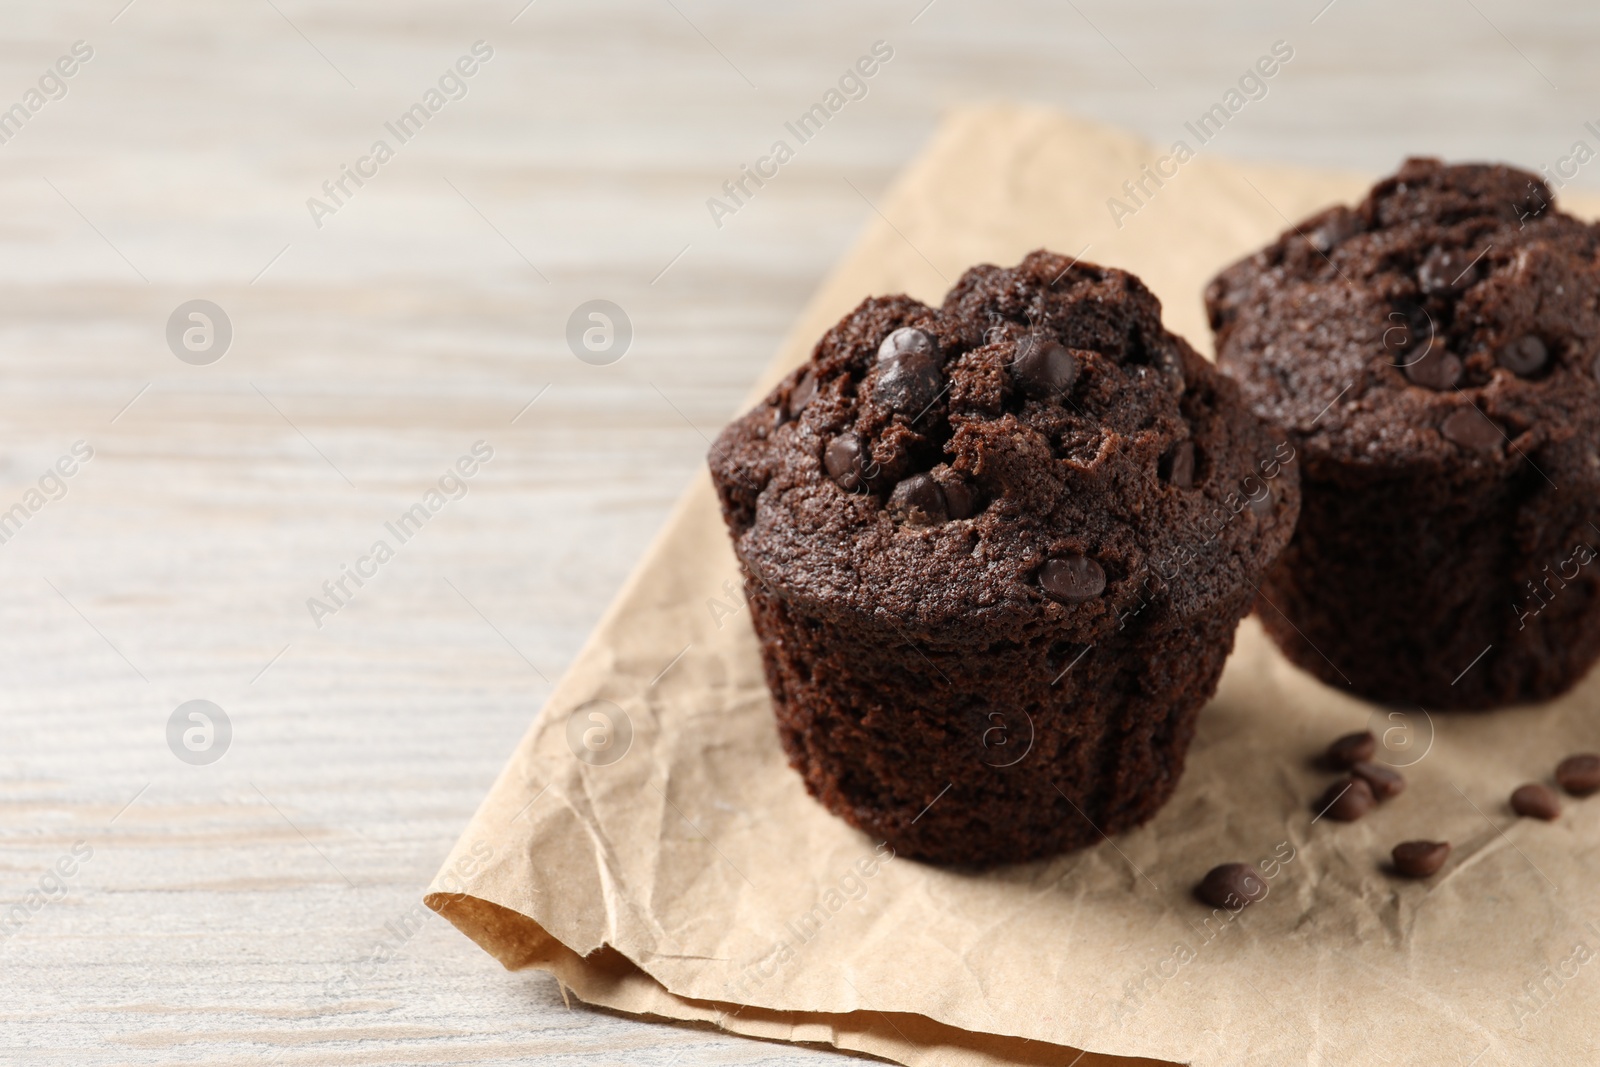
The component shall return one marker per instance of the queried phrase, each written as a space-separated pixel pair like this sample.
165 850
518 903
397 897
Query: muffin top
1037 450
1447 322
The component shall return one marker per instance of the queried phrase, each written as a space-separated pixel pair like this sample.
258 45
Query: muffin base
981 755
1415 591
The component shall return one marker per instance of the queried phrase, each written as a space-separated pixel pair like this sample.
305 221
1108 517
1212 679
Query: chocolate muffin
995 554
1432 352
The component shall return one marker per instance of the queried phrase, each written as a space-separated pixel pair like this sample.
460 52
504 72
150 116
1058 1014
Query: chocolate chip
1232 886
1334 230
1262 503
918 501
1043 369
845 463
1410 327
1072 579
1170 364
1532 204
1470 428
1447 273
960 498
1384 782
1419 859
1595 370
1524 356
804 391
1350 750
1579 775
1346 800
1177 466
1435 369
907 378
907 340
1535 801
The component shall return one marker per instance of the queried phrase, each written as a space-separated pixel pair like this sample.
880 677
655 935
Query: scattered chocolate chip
960 498
1232 886
907 377
1346 800
1435 369
1535 801
1072 579
1043 369
1384 782
1595 370
1470 428
843 459
1419 859
1447 273
918 501
1177 466
1350 750
1579 775
804 391
1524 356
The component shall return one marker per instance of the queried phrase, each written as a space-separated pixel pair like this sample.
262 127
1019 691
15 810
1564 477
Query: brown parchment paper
694 879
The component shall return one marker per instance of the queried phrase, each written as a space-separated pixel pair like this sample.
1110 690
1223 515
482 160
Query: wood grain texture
266 905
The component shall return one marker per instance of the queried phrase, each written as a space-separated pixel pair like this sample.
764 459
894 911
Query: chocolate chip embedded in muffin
1447 272
1043 405
907 378
1072 579
804 391
1411 333
1435 369
1334 227
846 462
1469 428
1526 356
918 501
960 497
1044 369
1177 466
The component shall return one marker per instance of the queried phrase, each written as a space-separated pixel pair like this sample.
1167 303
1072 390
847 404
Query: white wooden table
209 911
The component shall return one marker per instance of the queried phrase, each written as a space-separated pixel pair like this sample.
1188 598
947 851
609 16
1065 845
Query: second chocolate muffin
1433 354
996 553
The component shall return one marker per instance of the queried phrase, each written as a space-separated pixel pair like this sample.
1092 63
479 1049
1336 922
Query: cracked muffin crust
1434 354
996 552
